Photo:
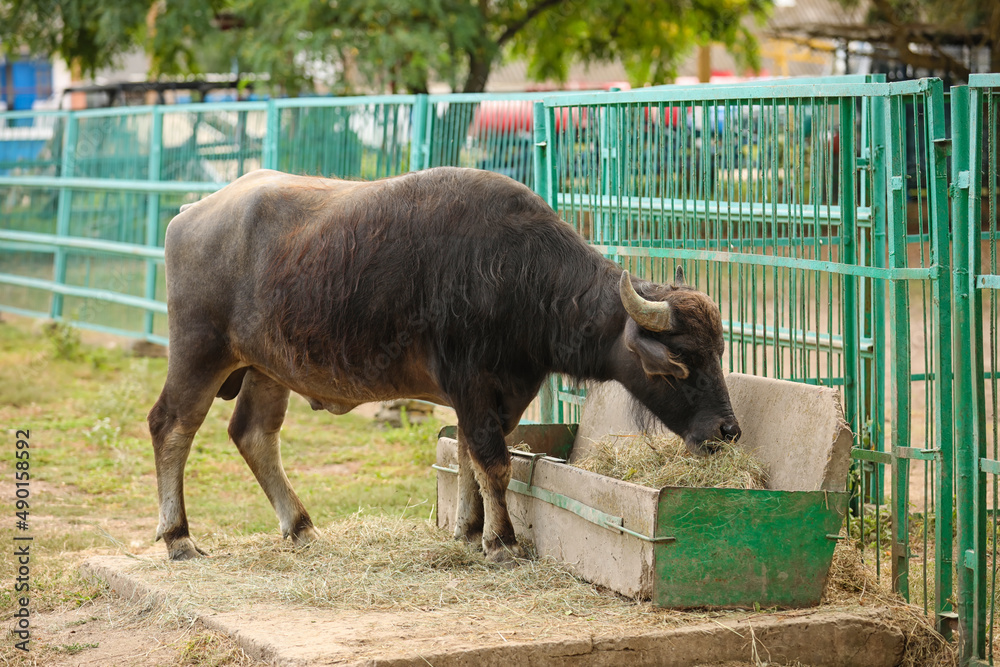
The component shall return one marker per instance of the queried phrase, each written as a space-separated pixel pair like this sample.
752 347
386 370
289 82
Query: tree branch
902 37
515 27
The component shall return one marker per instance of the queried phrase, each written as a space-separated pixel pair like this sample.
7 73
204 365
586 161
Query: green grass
73 649
93 483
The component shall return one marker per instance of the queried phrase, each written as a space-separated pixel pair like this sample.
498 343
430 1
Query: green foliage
65 341
649 44
92 33
73 649
395 45
873 530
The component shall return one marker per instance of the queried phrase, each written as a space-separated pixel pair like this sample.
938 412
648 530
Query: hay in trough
665 461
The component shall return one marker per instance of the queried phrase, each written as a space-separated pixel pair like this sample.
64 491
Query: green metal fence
815 212
804 210
975 169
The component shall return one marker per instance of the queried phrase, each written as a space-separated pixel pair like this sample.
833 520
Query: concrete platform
296 636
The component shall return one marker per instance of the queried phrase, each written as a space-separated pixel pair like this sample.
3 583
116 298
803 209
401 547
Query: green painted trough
685 547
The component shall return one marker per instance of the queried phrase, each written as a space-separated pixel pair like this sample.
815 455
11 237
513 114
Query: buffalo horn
650 315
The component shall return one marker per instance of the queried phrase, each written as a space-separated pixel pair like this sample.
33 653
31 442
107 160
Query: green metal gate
816 215
975 169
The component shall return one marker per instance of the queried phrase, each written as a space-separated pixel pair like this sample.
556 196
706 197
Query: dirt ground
95 635
107 631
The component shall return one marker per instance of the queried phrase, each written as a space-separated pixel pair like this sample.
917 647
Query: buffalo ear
655 357
679 276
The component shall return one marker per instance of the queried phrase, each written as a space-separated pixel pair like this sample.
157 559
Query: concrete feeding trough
685 547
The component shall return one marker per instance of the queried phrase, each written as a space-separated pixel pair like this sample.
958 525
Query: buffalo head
670 361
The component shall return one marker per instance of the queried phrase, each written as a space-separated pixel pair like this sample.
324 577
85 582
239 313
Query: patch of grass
64 339
210 650
93 482
73 649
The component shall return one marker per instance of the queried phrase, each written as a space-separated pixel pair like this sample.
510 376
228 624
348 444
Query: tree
937 36
397 45
933 26
87 33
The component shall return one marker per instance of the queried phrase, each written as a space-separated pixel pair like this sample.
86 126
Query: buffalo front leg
254 427
490 463
173 421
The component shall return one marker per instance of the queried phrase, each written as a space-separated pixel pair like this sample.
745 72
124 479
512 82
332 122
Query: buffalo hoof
184 549
502 554
305 535
473 539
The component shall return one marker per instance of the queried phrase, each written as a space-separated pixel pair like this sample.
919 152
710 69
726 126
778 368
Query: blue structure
24 81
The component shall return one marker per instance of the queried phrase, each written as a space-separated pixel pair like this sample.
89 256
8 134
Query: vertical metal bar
64 209
899 363
269 158
603 230
418 125
430 116
848 249
547 395
966 242
982 109
381 169
941 298
153 208
879 250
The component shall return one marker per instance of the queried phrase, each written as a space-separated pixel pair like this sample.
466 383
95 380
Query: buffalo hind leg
490 463
469 519
173 421
254 427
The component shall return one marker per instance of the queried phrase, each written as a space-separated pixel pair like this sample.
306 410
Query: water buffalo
456 286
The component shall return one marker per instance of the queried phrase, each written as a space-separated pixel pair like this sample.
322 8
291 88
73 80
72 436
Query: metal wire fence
804 210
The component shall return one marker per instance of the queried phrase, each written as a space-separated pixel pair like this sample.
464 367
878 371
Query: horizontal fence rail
815 212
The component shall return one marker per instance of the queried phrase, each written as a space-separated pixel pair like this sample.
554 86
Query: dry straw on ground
853 583
665 461
372 563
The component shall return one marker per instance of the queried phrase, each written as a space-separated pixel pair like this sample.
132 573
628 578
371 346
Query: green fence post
543 188
977 106
428 148
876 490
153 209
418 125
849 255
899 362
970 487
269 152
941 294
64 210
609 171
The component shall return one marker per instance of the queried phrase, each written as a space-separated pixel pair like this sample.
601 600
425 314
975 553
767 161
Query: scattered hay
376 563
854 583
665 461
404 563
